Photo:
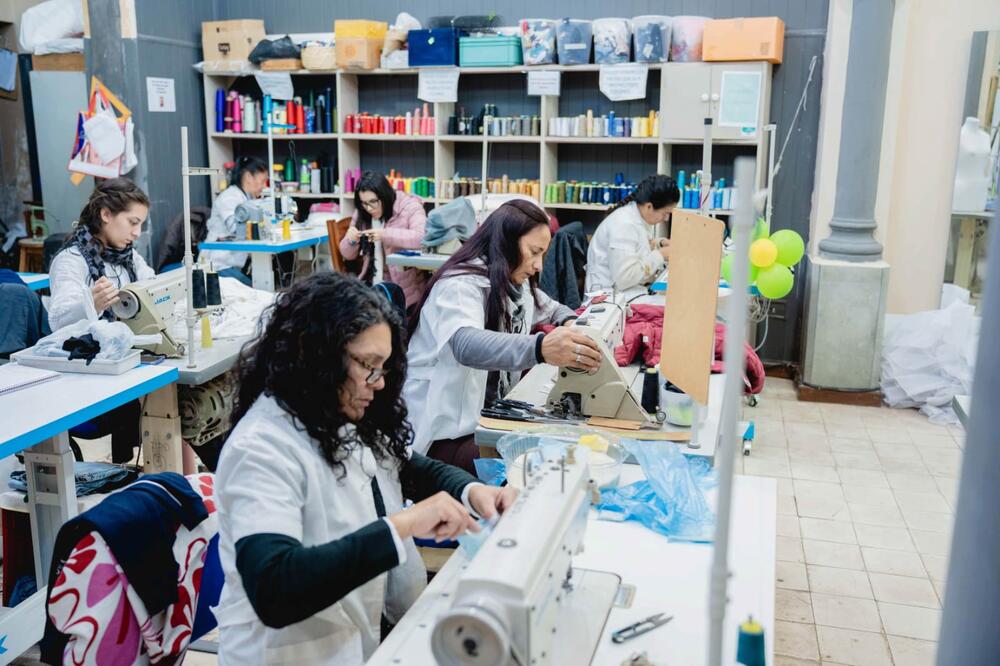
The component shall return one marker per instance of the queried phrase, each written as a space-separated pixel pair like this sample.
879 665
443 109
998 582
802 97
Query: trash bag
115 339
671 500
267 49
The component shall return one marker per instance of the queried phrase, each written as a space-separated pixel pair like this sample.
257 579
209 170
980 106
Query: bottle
305 176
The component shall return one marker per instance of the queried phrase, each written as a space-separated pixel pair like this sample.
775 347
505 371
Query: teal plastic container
492 51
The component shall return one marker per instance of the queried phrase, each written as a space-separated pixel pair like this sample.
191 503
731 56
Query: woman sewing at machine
624 255
393 220
248 179
471 333
314 541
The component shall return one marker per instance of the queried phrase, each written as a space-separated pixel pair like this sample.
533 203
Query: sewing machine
146 305
605 393
518 600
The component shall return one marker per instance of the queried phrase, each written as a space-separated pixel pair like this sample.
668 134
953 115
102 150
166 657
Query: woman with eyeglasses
315 543
248 179
393 220
624 255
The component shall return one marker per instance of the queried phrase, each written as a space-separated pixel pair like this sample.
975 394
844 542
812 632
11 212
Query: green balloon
790 246
775 281
727 270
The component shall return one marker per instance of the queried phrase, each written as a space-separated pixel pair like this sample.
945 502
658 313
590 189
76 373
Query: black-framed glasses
370 205
374 374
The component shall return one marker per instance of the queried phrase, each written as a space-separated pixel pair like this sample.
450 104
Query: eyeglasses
374 374
371 205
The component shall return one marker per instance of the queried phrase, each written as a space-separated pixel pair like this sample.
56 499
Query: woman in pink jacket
392 220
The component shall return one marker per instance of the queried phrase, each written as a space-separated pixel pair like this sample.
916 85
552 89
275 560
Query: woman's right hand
439 517
105 294
664 248
564 348
353 235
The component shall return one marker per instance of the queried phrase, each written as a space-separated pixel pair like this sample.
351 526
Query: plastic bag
116 339
48 21
491 471
273 50
671 501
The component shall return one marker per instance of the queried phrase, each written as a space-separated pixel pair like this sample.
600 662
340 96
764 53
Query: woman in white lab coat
314 541
624 255
471 334
248 179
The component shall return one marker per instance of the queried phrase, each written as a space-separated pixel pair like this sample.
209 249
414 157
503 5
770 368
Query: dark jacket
24 322
565 265
172 243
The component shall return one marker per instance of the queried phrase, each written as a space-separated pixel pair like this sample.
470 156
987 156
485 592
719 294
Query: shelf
613 140
276 137
388 137
413 71
311 195
509 138
349 196
715 142
576 206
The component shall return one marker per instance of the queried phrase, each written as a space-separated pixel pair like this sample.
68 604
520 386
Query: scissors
640 627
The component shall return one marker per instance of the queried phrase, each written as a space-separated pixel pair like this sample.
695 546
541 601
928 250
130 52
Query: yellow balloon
763 252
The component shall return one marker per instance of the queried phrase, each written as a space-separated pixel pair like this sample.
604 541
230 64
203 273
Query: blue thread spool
750 647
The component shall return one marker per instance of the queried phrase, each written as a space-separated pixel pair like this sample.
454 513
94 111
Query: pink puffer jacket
403 231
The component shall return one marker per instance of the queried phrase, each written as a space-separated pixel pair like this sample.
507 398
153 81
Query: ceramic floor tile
936 566
791 576
798 412
846 612
827 530
830 554
872 496
786 503
785 487
897 452
894 466
789 550
910 621
910 652
767 467
948 489
889 435
857 460
781 660
903 590
822 507
768 452
901 563
932 543
847 646
793 606
928 521
877 536
920 425
885 516
923 501
811 457
804 488
850 431
841 445
934 455
939 586
793 639
945 441
862 477
840 582
788 526
913 482
808 472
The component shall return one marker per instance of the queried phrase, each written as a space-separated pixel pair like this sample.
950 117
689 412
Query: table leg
263 275
161 432
965 252
51 479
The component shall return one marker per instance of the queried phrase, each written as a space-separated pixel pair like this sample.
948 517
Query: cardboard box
344 29
281 65
358 52
744 39
58 62
230 40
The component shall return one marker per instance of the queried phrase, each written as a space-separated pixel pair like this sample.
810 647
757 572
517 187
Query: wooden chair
336 230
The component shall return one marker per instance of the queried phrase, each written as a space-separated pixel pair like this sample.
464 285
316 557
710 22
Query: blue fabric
11 277
170 267
91 477
24 321
455 219
212 580
236 274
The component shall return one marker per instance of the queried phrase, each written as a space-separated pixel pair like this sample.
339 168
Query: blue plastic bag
671 501
491 471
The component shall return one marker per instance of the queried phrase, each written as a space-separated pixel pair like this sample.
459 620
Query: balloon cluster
771 259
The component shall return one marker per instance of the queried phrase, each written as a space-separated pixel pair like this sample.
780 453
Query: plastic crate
437 46
491 51
574 38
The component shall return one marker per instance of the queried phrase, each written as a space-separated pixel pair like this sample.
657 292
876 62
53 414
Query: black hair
246 164
115 195
497 245
657 189
299 357
378 184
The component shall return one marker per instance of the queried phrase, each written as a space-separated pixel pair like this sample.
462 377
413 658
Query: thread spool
198 296
206 333
213 293
651 390
255 231
220 110
750 646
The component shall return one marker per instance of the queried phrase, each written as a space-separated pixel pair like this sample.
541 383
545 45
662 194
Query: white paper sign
276 84
543 82
625 81
438 85
160 95
739 99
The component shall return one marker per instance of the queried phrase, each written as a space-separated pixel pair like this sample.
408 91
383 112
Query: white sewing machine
606 393
146 305
518 600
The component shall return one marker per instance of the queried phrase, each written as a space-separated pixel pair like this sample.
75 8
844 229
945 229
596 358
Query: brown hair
114 194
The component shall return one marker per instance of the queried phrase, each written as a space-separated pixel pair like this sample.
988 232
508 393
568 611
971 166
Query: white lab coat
272 479
70 285
621 256
221 223
443 397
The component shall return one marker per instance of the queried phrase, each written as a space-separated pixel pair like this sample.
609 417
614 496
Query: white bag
49 21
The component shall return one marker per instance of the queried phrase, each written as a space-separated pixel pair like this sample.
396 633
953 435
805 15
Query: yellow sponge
594 443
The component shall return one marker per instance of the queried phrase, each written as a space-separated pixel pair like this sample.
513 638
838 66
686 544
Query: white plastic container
972 172
97 366
687 37
612 41
573 40
538 41
651 38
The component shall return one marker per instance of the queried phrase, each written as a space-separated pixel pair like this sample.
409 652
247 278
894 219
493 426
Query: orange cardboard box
358 52
744 39
230 40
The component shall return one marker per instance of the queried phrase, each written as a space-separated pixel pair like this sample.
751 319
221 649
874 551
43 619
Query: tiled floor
866 499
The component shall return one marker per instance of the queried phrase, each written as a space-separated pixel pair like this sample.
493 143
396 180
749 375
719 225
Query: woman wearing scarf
471 334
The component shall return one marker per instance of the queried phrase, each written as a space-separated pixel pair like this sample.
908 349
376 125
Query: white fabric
273 479
379 254
443 397
48 21
221 223
621 256
70 285
238 316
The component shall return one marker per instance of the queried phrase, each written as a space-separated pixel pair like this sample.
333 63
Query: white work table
425 262
671 578
209 363
261 251
39 418
35 281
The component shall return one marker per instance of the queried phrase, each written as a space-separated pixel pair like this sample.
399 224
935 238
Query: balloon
790 246
763 253
760 229
727 270
775 281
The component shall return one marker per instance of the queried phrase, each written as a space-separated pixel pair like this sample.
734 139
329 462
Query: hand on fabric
439 517
105 294
488 501
565 349
352 235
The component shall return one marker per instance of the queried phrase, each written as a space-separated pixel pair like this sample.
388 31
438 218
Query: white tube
188 258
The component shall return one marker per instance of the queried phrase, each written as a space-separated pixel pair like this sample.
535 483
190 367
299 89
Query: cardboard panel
688 344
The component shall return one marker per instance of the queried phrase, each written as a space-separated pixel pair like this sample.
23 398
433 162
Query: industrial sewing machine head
147 305
605 393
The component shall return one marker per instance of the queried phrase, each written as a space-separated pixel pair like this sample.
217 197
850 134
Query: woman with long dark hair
624 255
314 540
247 180
471 334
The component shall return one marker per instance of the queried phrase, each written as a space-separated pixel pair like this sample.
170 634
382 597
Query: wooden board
281 65
58 62
645 435
688 346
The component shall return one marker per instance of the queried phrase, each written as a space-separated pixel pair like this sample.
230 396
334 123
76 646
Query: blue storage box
437 46
490 51
574 38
